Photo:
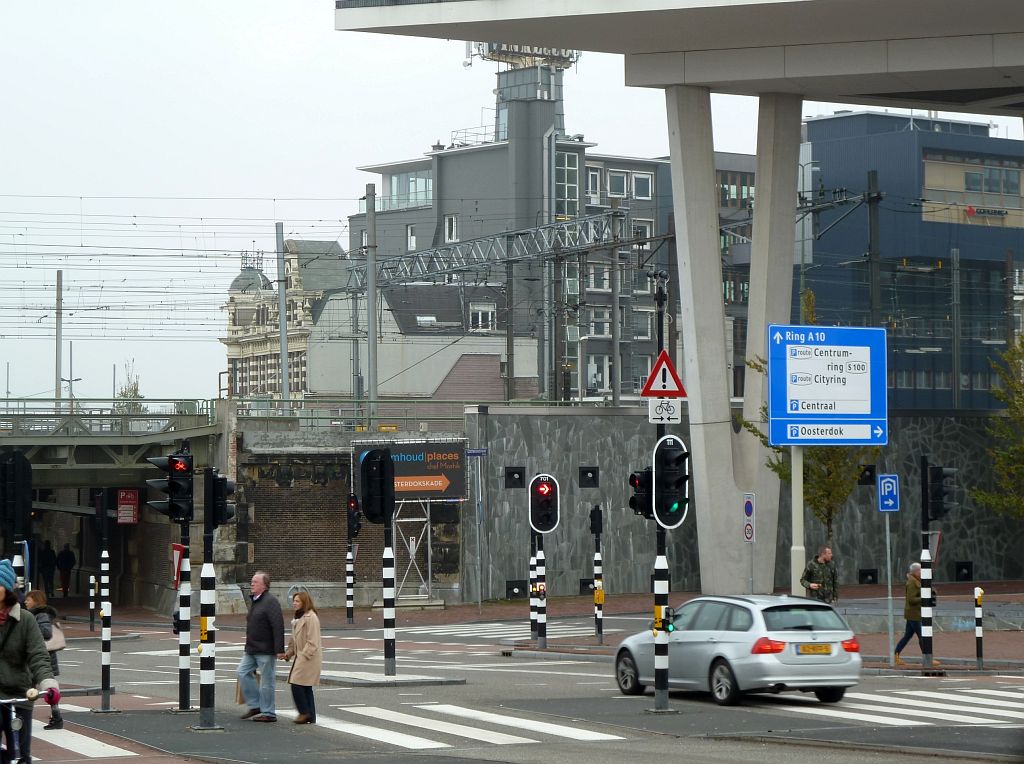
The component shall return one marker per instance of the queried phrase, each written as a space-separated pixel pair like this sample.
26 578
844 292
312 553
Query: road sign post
889 502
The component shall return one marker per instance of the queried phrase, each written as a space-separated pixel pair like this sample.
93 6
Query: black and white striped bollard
598 591
926 605
350 581
92 603
542 596
389 600
533 586
660 627
105 624
978 628
207 647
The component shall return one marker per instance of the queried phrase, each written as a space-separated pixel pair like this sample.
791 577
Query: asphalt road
530 709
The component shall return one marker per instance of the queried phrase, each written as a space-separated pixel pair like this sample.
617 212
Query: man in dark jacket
264 641
820 577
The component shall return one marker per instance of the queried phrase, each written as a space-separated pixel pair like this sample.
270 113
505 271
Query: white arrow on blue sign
888 493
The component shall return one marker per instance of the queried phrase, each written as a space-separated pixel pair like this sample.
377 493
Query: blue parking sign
888 493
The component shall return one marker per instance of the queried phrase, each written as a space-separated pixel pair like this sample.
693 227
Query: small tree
128 398
1006 434
830 472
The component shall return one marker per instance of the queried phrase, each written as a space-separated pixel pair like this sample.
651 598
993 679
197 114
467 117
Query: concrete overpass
935 54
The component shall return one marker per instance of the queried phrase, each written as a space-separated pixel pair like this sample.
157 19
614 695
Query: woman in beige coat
307 651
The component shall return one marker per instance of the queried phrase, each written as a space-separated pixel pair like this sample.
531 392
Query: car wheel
830 694
627 676
724 689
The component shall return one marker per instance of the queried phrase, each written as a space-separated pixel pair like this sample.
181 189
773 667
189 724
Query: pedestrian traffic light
223 510
671 481
543 503
941 495
377 476
178 505
355 520
596 521
640 501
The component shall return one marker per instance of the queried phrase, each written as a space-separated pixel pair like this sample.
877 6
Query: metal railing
34 417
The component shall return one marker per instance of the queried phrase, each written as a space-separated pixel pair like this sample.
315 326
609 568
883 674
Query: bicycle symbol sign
664 411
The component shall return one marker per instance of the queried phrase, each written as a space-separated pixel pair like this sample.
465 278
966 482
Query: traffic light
377 476
223 510
671 481
355 520
16 492
543 503
596 521
177 485
867 475
941 498
640 501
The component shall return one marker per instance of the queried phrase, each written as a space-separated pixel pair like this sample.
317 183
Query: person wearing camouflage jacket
820 577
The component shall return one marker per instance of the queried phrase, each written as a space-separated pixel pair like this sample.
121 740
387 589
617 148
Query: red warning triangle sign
663 381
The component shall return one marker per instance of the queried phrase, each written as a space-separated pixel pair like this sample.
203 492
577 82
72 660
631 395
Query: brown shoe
250 713
899 661
301 719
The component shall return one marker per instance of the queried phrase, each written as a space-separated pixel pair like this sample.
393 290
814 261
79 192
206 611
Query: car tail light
765 646
851 645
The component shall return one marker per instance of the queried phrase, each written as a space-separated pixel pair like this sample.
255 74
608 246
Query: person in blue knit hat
24 663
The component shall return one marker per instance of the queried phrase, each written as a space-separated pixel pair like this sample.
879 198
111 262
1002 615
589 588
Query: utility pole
955 256
510 335
616 366
60 325
872 198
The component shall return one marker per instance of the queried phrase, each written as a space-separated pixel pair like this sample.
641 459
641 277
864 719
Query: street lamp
807 169
71 390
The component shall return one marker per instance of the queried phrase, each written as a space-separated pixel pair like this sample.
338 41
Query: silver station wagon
731 645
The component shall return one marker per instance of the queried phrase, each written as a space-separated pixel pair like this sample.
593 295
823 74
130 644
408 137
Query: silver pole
888 591
371 302
797 554
282 316
58 366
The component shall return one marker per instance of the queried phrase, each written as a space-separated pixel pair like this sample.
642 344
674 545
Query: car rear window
806 617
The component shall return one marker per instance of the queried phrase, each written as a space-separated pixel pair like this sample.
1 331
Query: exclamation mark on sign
664 378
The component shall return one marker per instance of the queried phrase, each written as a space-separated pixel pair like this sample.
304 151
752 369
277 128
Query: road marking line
964 699
373 733
881 699
1001 693
835 713
80 744
509 721
928 713
461 730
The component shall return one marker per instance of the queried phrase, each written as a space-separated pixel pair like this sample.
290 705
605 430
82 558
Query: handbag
56 641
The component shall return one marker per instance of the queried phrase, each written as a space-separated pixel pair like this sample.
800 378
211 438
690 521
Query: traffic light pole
542 605
927 603
350 580
184 624
389 595
207 614
661 558
533 584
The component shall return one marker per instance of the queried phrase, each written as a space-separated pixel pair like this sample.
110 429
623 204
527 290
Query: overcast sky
145 145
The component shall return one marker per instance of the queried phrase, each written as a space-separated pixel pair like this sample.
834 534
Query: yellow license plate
814 649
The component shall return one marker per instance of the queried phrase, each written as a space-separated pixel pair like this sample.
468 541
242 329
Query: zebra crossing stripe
961 699
924 703
461 730
836 713
927 713
80 744
1015 694
377 734
533 725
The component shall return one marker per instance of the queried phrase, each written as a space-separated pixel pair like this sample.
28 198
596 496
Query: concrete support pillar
724 464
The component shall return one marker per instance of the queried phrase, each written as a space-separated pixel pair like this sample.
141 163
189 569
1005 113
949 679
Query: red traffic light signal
178 505
544 503
640 501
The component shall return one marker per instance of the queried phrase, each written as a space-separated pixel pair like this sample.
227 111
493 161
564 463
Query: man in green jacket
912 612
820 577
24 662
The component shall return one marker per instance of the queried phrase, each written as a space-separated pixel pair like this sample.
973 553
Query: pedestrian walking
912 613
264 641
48 566
820 577
307 651
65 564
24 663
46 617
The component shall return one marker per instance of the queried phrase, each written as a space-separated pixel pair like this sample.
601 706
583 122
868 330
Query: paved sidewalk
1002 647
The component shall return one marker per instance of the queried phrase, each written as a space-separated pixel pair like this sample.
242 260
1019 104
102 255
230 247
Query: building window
735 189
410 238
567 184
643 320
599 372
643 185
426 320
641 371
601 322
593 185
617 183
363 239
599 278
407 189
483 316
451 228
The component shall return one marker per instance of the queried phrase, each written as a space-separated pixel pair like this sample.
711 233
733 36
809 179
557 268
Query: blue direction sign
827 386
888 493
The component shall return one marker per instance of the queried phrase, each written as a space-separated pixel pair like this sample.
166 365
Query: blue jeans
262 696
913 627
